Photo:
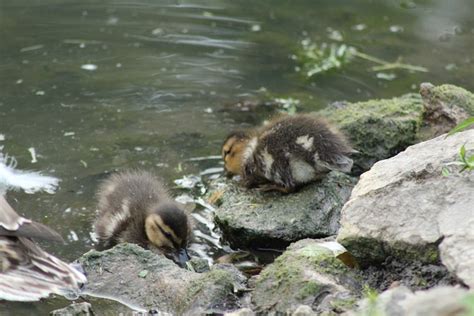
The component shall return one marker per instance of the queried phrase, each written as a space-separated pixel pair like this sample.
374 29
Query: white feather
29 181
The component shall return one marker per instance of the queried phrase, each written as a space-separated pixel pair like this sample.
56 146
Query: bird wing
28 273
12 224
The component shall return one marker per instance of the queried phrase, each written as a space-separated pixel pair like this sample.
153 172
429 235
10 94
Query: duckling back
124 203
294 150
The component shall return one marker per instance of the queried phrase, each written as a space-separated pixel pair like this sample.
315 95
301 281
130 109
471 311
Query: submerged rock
150 281
404 207
378 129
253 219
440 301
306 275
445 107
75 309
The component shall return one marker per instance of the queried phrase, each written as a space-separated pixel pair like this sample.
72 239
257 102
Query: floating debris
40 92
396 29
33 154
256 28
324 57
72 236
67 134
213 170
386 76
359 27
89 67
188 182
320 58
30 48
213 157
335 35
2 137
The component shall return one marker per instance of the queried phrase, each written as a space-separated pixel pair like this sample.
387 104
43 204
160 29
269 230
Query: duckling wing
12 224
28 273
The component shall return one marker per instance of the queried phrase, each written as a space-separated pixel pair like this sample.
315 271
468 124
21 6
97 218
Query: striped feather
28 273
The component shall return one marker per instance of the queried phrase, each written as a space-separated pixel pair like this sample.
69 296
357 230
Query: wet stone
254 219
115 273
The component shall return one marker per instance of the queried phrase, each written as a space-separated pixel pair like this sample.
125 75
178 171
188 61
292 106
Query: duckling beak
181 257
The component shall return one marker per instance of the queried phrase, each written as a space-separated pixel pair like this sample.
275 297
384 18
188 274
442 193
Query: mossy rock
253 219
307 273
445 107
149 281
378 129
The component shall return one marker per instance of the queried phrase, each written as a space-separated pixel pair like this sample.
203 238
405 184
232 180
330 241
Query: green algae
378 129
300 275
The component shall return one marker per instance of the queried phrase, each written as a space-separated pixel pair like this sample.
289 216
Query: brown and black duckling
135 207
286 153
27 273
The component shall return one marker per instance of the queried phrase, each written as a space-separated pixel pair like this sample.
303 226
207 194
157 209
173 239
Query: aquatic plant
321 58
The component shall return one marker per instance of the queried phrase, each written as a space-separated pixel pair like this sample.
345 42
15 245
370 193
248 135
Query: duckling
134 207
28 273
286 153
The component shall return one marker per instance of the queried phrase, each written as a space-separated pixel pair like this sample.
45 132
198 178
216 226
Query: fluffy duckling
286 153
135 207
27 273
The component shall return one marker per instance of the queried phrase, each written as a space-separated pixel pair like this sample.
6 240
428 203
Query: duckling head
167 228
233 150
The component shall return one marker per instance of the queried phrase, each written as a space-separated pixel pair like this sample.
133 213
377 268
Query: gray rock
75 309
303 310
252 219
404 207
307 273
241 312
400 301
445 107
378 129
150 281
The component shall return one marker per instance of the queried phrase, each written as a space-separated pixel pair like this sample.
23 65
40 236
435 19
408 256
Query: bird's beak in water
181 257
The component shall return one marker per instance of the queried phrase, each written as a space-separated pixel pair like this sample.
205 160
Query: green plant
320 58
466 162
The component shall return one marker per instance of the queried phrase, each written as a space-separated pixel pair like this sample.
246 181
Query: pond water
98 86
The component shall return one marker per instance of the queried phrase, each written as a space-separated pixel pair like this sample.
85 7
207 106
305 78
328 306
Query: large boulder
150 281
253 219
307 274
404 207
401 301
378 129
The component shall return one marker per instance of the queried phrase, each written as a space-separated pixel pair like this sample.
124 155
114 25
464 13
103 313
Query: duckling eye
168 235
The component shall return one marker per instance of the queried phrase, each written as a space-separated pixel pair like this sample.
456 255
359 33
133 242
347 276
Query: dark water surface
95 86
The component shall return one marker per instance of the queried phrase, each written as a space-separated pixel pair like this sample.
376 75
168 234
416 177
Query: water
95 86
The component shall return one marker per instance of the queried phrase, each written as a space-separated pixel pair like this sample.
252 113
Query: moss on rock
307 273
252 219
167 288
378 129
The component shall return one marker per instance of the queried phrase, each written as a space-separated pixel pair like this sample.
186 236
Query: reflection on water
94 86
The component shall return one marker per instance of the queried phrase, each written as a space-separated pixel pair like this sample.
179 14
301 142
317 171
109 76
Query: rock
303 310
307 273
241 312
378 129
75 309
252 219
400 301
445 107
404 207
150 281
